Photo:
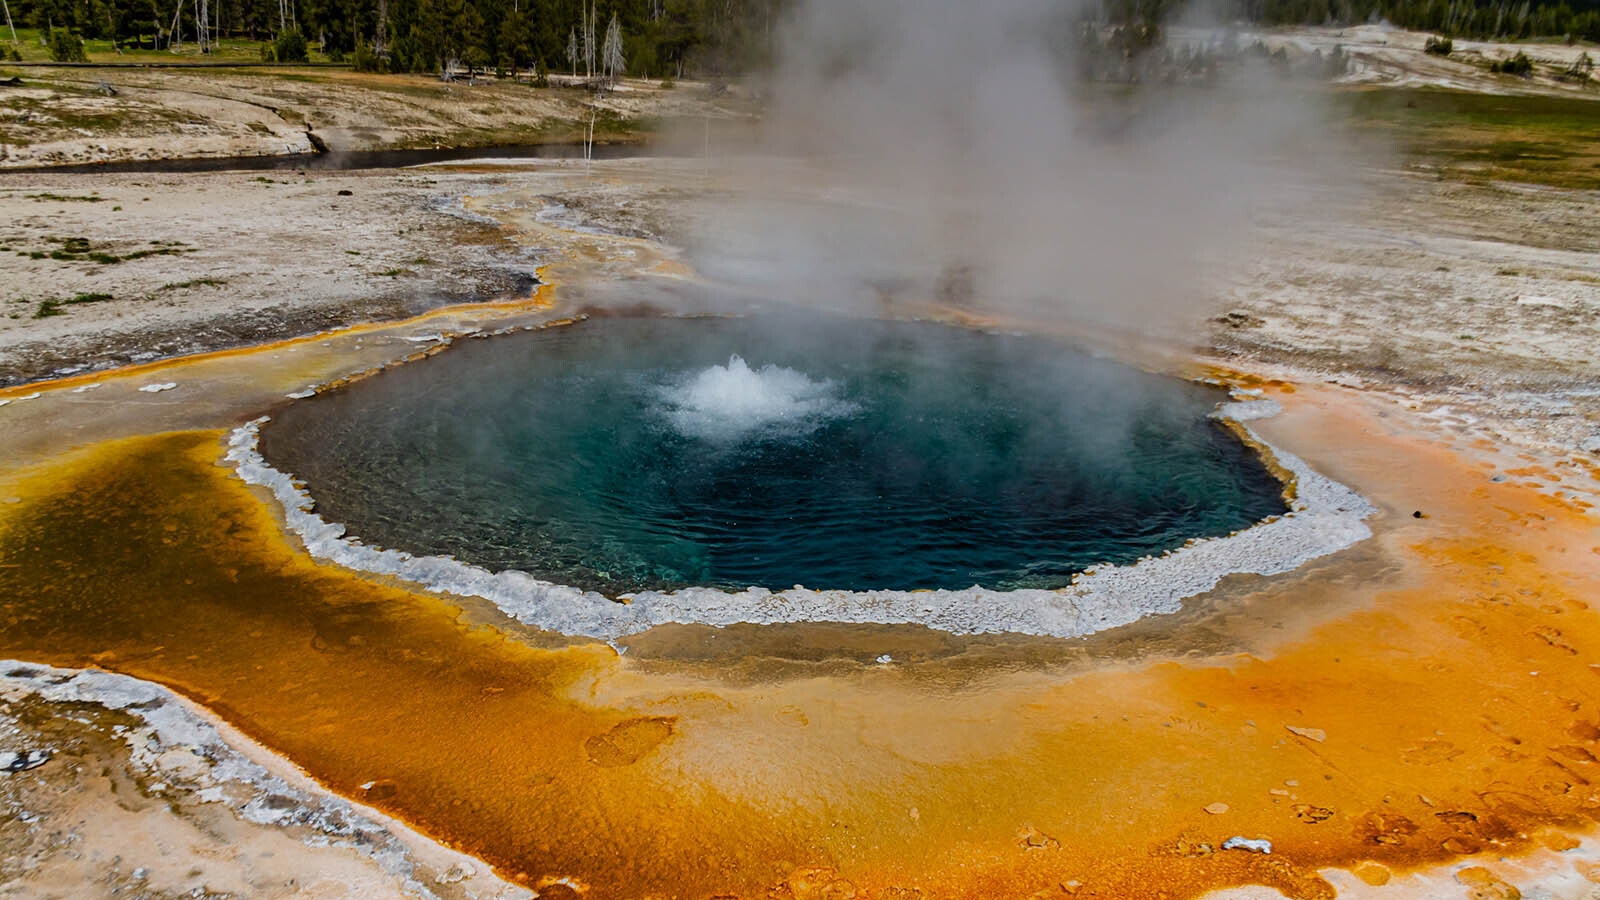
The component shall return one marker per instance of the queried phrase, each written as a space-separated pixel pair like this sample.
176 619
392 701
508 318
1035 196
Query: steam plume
946 151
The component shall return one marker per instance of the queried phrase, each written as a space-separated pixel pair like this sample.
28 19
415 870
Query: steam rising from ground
946 150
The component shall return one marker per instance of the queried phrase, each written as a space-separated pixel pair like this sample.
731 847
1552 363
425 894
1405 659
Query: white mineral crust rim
1324 516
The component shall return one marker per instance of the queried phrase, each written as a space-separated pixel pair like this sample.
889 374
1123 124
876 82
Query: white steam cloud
946 151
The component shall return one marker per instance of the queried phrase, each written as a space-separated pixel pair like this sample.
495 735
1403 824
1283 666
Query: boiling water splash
731 403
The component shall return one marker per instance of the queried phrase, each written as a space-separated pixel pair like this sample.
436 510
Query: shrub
1337 63
1519 65
290 47
365 60
1581 70
1438 46
66 46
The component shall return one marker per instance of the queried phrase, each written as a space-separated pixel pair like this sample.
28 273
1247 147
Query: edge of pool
1324 517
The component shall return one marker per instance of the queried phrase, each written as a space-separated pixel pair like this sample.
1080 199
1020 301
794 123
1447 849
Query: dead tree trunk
13 28
202 24
380 40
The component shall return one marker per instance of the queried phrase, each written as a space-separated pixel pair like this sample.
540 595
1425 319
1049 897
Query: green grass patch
64 198
141 254
1552 141
77 249
228 50
52 306
192 283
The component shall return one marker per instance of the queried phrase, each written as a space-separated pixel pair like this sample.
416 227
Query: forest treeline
659 38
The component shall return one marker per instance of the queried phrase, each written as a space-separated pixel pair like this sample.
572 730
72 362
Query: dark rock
1238 319
23 760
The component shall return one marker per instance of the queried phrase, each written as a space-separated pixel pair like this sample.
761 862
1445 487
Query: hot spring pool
655 453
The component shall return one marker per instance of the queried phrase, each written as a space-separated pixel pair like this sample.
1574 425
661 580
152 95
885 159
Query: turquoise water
625 454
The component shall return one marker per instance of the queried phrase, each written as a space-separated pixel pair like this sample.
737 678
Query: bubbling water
733 403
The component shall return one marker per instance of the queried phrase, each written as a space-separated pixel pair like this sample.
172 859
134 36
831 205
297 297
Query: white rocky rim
1324 516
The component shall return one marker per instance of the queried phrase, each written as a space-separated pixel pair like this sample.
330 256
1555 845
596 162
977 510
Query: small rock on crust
1243 843
1310 734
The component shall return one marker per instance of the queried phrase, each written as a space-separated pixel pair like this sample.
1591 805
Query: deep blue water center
623 454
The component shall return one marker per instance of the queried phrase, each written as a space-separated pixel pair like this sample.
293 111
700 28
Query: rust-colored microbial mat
1436 704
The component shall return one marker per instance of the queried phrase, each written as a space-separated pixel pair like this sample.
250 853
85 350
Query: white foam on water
727 404
1324 516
